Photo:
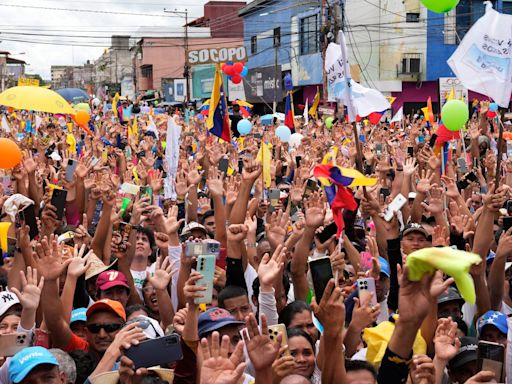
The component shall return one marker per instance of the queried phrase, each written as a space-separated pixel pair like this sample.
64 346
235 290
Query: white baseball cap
7 300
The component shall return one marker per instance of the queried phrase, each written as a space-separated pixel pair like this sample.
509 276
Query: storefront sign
216 55
263 85
446 84
24 81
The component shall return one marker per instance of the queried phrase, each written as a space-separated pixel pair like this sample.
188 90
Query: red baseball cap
108 305
109 279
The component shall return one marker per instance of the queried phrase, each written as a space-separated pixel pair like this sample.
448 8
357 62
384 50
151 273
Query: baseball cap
214 319
451 294
193 226
467 353
7 300
149 326
26 360
78 315
108 305
414 227
384 266
109 279
498 319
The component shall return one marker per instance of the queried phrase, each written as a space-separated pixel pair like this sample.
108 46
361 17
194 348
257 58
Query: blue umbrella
73 95
269 119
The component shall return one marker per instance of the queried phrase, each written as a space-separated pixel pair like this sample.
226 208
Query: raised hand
440 236
193 291
331 310
237 232
435 203
30 289
171 223
79 263
276 228
315 211
364 314
252 170
424 183
446 342
410 166
271 268
215 182
297 191
48 259
261 349
163 274
422 370
217 367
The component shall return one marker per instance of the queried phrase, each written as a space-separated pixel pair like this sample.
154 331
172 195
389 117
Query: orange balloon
10 109
11 154
82 117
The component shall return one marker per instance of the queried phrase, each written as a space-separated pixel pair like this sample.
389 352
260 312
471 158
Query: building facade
73 76
11 70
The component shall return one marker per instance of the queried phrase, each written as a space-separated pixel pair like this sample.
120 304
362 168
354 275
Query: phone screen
59 201
410 151
28 217
507 223
321 273
327 233
432 141
223 165
491 357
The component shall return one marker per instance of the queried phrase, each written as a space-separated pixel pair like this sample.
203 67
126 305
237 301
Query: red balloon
236 79
223 67
491 114
238 67
229 70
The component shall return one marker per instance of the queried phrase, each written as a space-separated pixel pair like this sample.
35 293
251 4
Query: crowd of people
112 289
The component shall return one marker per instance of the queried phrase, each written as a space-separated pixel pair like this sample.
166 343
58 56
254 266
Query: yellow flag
71 141
265 156
451 96
135 131
313 110
115 102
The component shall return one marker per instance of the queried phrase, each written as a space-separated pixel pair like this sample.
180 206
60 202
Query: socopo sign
216 55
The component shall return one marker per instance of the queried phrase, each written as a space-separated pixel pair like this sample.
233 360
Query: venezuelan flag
245 108
338 194
205 108
288 112
218 120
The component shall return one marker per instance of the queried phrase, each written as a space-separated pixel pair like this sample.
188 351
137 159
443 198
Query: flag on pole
265 156
152 126
399 115
313 112
205 108
245 108
218 122
306 113
288 112
115 105
428 112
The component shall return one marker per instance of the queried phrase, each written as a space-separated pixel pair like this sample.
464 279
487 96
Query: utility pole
276 61
186 68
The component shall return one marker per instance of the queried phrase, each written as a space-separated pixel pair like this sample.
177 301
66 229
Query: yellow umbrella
35 99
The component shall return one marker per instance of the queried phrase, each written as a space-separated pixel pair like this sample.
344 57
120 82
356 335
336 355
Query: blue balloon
244 72
283 132
493 107
244 127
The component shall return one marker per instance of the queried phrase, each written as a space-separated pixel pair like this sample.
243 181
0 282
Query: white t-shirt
140 276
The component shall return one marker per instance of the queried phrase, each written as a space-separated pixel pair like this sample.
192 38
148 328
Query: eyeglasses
109 328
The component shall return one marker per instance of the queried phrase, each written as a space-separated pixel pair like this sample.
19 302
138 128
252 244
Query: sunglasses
109 328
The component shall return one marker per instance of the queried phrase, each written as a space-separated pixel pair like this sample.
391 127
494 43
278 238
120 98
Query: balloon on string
82 118
244 127
229 70
236 79
11 154
455 114
328 122
284 133
440 6
295 140
493 107
238 67
244 72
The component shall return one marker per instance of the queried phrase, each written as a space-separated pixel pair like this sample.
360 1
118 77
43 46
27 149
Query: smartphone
421 139
507 223
311 186
378 150
461 162
12 343
385 192
94 161
321 273
274 331
206 267
129 188
298 159
432 141
162 350
240 166
365 288
193 248
274 196
491 357
475 162
59 201
223 165
7 185
211 247
410 151
471 176
141 154
28 217
70 170
146 191
329 231
508 206
396 205
11 247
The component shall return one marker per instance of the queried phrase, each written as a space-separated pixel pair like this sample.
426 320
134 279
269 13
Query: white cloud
21 26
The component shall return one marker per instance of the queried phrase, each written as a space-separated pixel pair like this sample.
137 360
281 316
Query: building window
411 64
412 17
277 37
309 39
254 45
146 71
468 12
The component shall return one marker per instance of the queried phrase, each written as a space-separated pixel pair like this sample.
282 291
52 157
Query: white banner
482 60
172 155
447 84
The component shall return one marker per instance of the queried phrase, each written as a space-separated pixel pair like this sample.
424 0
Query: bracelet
399 170
250 245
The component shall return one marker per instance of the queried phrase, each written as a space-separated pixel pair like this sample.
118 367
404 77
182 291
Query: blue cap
384 266
498 319
214 319
78 315
26 360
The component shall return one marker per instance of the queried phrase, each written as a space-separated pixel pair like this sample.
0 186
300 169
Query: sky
74 31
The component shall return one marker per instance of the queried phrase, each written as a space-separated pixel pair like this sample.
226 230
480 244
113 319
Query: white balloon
295 140
96 102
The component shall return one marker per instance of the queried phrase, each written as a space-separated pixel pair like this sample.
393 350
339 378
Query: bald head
295 379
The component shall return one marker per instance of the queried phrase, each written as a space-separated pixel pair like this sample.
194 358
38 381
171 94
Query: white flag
306 113
482 61
399 115
5 125
39 121
172 156
151 127
359 100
